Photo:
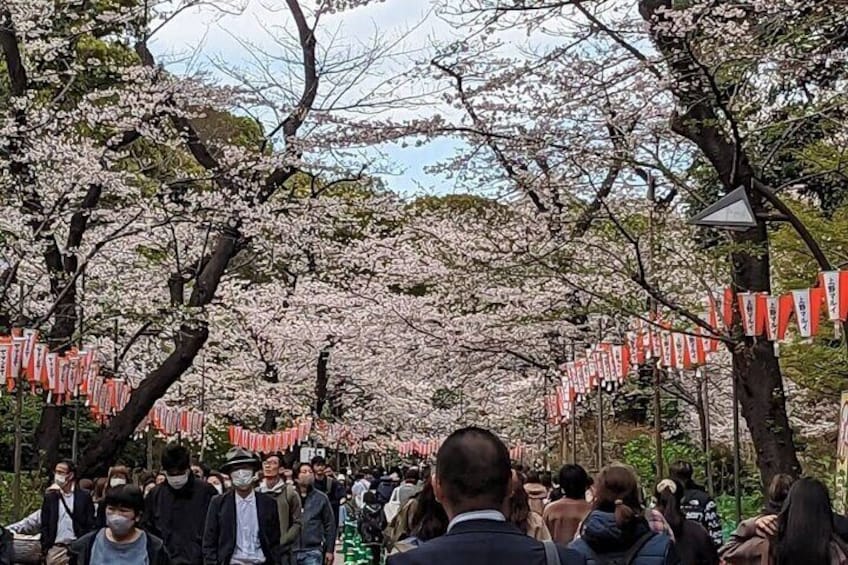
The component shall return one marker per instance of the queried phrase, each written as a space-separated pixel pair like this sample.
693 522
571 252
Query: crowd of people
473 508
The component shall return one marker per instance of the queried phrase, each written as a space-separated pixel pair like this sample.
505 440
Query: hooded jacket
699 507
600 535
537 493
289 510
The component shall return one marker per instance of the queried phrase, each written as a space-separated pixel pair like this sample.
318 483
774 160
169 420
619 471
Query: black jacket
80 550
219 537
177 517
695 546
699 507
83 515
483 542
6 545
334 491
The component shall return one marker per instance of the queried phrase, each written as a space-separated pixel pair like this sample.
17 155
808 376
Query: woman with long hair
692 542
521 513
616 528
422 518
805 528
801 533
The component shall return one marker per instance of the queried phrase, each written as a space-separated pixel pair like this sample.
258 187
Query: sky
197 38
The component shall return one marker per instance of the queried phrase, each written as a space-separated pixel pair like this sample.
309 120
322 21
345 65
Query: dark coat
80 550
6 546
600 535
694 545
219 537
317 523
83 515
335 493
177 517
483 542
699 507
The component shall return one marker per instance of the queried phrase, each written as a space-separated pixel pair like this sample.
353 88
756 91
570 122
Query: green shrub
32 489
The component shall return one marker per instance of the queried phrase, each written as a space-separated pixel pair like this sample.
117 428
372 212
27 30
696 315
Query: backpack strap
551 553
634 550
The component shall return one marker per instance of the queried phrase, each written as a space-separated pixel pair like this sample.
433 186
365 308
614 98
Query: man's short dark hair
473 469
125 496
318 460
532 476
411 474
204 468
276 454
298 467
69 464
573 481
176 457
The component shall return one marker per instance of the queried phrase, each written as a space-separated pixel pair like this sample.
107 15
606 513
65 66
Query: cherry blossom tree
605 100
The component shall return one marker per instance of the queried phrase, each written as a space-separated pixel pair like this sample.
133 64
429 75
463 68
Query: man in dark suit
472 482
174 510
67 514
242 526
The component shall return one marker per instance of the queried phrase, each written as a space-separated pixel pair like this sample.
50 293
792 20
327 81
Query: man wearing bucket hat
242 526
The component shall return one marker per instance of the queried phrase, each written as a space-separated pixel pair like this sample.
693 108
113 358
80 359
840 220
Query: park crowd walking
473 508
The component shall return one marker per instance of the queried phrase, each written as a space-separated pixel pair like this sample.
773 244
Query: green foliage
752 504
639 453
133 454
462 203
32 487
217 441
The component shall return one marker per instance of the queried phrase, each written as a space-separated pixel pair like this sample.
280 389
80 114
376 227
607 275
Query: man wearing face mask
288 503
175 510
242 526
121 541
67 514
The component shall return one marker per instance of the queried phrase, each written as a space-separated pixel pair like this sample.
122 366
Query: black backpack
625 557
372 522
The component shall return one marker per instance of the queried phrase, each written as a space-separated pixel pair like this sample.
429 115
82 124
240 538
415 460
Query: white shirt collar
493 515
246 499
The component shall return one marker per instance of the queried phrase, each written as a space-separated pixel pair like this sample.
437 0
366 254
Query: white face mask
241 477
60 480
117 481
219 488
178 481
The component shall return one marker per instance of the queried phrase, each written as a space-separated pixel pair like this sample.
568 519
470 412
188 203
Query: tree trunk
269 422
48 437
111 440
321 381
48 433
755 366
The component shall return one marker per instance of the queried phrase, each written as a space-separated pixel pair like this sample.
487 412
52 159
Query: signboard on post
840 498
307 453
